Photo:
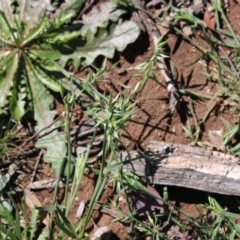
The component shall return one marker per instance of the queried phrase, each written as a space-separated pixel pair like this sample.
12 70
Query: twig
23 154
85 133
220 37
166 74
36 165
229 62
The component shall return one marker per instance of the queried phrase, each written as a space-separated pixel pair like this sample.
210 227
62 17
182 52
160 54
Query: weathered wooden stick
174 98
186 166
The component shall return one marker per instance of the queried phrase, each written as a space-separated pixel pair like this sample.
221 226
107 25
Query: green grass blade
70 230
8 234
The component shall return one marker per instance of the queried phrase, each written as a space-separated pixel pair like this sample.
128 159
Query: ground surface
154 120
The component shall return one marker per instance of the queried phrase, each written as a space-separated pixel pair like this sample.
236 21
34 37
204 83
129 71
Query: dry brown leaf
209 18
32 201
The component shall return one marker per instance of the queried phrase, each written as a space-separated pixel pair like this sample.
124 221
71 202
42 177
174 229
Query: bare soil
154 121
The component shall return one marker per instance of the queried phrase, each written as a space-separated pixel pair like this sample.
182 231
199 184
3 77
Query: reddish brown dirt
154 121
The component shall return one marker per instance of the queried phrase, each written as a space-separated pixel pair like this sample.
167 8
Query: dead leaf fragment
209 18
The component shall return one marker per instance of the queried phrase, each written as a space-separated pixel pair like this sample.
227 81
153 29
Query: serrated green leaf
104 44
49 82
5 60
6 84
17 100
33 11
6 36
6 7
66 37
4 52
55 67
99 18
64 17
74 5
46 51
36 32
50 139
